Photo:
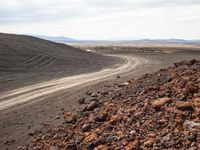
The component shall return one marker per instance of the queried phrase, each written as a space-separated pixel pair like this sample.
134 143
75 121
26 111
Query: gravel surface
157 111
26 60
18 125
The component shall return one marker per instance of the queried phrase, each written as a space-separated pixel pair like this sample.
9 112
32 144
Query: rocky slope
157 111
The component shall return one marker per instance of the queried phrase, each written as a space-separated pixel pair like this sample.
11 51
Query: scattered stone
192 137
156 111
79 139
104 93
101 117
149 142
166 138
160 102
31 133
196 102
69 117
90 138
57 117
92 106
94 99
81 101
113 119
183 106
88 93
126 83
86 127
191 124
94 95
71 147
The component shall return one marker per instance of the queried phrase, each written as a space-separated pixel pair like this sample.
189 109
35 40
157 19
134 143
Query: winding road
37 91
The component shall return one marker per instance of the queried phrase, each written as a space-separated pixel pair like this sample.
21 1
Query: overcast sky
102 19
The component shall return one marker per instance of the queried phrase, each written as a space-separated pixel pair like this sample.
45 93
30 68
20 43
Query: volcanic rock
184 106
69 117
91 106
157 111
86 127
149 142
160 102
90 138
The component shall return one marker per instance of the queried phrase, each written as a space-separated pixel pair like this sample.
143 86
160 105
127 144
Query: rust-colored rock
92 106
149 142
90 138
160 102
134 117
196 102
113 119
184 106
69 117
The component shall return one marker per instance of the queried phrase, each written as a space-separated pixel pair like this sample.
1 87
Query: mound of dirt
26 59
157 111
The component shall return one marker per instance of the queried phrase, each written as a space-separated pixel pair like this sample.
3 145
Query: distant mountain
169 41
62 39
58 39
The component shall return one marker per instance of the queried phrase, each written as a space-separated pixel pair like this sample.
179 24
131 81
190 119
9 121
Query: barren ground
23 109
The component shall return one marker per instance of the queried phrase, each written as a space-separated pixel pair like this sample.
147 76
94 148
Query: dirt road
30 93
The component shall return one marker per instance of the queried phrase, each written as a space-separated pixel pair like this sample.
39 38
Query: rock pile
157 111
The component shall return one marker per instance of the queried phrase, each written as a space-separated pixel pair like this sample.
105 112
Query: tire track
29 93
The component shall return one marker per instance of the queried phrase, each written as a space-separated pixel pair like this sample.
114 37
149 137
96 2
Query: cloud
101 18
143 4
13 11
31 11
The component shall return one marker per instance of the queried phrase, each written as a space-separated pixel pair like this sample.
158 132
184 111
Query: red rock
162 121
91 106
47 146
160 102
128 121
184 106
166 138
149 142
197 110
179 120
133 145
196 102
90 138
69 117
113 119
152 135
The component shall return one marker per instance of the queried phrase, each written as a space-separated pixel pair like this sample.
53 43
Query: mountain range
63 39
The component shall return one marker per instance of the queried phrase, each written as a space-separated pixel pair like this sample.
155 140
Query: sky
102 19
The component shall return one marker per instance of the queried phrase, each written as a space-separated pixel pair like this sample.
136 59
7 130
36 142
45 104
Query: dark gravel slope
33 59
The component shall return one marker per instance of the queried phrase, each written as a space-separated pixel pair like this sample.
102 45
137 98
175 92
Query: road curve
30 93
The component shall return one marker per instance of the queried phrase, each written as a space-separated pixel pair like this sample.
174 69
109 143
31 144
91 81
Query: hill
24 57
